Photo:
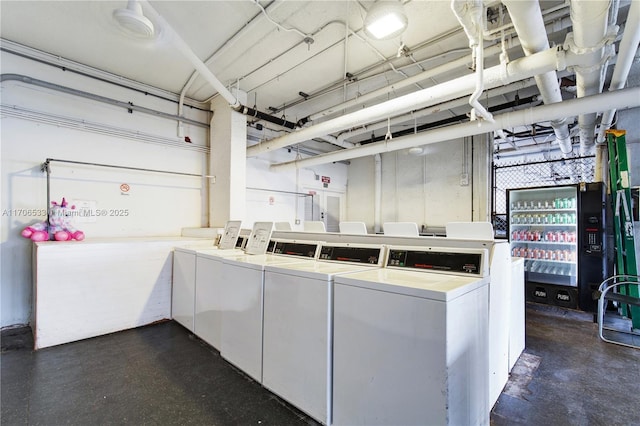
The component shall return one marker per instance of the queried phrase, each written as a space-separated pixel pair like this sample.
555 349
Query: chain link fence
534 174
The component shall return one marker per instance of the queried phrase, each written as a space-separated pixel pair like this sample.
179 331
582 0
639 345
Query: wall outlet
464 179
297 221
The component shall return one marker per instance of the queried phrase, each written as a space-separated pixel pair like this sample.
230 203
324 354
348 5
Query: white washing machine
410 343
208 278
184 286
208 294
241 304
298 328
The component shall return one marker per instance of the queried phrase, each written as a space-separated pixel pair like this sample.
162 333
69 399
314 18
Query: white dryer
297 356
241 304
410 340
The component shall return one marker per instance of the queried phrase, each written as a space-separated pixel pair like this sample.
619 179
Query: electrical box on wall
464 179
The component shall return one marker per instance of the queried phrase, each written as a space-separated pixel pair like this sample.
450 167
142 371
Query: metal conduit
98 128
519 69
622 99
126 105
451 120
522 84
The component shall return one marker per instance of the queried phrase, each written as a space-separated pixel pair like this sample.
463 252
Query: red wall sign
326 179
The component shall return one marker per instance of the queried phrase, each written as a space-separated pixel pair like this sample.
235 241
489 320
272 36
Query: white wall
39 123
425 189
265 202
157 204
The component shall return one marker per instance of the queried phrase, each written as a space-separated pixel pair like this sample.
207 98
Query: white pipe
589 30
474 100
440 69
554 25
519 69
377 208
624 98
501 90
528 23
470 16
626 54
197 63
335 141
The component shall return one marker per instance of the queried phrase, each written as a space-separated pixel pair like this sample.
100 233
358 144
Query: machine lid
411 282
445 260
363 254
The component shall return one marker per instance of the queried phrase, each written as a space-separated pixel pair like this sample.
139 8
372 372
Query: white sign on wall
85 211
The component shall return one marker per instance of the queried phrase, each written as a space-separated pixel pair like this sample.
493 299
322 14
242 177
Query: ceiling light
133 21
385 20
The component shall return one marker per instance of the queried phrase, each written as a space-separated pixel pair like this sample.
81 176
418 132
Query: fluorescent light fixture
385 20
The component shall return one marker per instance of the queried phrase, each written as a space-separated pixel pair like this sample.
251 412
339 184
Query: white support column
227 163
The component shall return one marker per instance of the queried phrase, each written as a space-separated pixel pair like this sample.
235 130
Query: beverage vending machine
564 235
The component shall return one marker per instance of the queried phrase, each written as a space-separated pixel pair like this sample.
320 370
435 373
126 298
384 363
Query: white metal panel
517 308
208 315
500 305
241 304
297 337
241 338
183 289
427 285
86 289
400 359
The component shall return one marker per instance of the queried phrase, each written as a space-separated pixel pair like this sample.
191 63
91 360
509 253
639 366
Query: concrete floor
162 375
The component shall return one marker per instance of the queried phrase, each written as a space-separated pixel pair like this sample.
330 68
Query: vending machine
564 235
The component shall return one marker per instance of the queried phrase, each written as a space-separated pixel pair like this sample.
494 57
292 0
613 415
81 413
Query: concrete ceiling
265 54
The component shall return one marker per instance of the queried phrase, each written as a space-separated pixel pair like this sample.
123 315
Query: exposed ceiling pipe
377 204
226 45
68 65
431 72
457 119
626 53
557 23
543 148
589 37
527 21
538 63
498 91
624 98
335 141
470 15
75 92
197 63
208 75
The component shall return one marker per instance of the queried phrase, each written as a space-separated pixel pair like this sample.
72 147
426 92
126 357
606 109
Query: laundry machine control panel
297 249
437 260
363 254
